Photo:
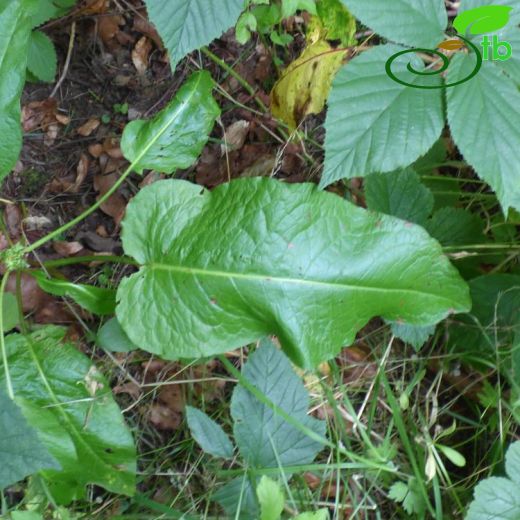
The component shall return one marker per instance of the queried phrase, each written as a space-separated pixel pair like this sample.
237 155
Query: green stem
222 64
8 382
91 258
403 433
506 247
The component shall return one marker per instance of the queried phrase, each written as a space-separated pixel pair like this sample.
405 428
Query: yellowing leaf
337 21
305 84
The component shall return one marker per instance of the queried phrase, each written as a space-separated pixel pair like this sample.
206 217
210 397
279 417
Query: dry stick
67 60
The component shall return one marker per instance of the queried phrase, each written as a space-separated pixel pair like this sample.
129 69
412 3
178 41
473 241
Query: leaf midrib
285 280
54 398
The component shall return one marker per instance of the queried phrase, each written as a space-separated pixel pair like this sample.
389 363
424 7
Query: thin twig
67 60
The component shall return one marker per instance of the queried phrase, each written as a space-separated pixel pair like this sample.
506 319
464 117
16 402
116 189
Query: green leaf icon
481 20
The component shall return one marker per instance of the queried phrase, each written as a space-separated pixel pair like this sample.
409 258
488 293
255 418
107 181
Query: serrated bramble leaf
496 498
400 194
48 9
413 334
209 435
187 25
15 20
264 438
70 404
375 124
496 300
42 59
513 462
238 491
417 23
484 117
281 248
175 137
22 453
455 227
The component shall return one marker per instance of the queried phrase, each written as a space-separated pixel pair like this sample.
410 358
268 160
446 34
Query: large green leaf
265 439
69 403
239 490
400 194
186 25
484 117
21 452
417 23
175 137
375 124
15 21
257 257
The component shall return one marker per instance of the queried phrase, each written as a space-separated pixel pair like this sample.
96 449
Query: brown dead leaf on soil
143 26
43 115
71 183
66 249
163 418
115 206
141 55
86 129
235 136
95 7
358 365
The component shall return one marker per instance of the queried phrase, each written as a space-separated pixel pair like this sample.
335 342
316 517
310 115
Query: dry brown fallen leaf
115 206
89 127
235 136
163 418
67 248
141 54
108 30
143 26
95 7
70 183
357 364
43 115
39 114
